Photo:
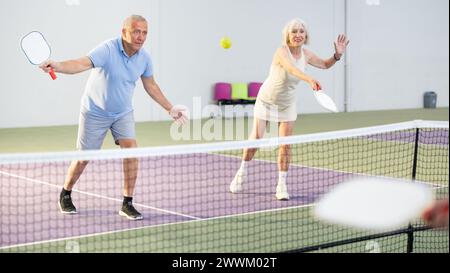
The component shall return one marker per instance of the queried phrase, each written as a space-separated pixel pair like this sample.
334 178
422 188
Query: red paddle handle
52 74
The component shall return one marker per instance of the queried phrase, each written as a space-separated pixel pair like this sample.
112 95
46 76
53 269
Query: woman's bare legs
259 128
284 157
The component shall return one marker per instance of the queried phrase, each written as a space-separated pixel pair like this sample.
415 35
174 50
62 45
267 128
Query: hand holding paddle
436 215
37 50
48 67
324 100
374 203
315 85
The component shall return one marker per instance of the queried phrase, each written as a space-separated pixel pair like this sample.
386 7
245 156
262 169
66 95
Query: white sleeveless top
279 88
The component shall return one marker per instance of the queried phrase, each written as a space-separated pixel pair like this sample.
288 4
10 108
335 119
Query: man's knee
127 143
285 149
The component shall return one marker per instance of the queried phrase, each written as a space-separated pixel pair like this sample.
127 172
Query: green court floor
63 138
259 231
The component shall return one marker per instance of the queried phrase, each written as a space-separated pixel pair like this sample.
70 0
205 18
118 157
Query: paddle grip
52 74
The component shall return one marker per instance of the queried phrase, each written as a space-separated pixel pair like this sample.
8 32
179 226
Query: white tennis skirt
271 112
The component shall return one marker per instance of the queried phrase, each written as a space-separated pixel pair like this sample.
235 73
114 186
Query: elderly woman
276 101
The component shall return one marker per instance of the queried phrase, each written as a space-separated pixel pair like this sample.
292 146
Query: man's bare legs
130 170
74 172
76 168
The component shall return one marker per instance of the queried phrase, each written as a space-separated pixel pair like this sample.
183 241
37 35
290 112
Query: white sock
244 167
282 178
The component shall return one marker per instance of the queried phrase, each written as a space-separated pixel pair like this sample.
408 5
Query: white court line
97 195
195 219
437 186
154 226
183 222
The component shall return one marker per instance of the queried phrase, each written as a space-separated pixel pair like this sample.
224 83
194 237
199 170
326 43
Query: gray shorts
92 130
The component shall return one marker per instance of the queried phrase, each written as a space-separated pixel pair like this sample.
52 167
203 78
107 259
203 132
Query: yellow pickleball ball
225 42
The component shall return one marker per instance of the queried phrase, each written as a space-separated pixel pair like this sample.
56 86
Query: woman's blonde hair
290 26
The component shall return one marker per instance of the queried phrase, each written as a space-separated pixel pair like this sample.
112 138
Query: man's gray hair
132 18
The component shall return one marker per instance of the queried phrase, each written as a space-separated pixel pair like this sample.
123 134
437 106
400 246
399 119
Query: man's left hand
178 113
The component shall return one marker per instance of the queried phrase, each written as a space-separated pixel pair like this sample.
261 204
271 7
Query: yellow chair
239 91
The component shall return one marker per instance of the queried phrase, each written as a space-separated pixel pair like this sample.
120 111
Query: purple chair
222 91
253 89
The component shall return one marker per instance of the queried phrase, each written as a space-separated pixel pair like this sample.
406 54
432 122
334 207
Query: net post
416 152
410 244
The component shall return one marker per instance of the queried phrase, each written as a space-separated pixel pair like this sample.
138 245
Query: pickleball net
183 193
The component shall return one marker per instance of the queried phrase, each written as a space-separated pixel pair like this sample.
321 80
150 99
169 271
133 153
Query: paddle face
36 49
374 203
325 101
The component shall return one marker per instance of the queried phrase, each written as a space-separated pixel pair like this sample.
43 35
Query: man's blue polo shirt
110 87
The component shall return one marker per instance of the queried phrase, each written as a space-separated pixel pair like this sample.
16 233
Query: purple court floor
169 190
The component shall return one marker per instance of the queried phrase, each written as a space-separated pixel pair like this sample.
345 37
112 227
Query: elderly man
116 65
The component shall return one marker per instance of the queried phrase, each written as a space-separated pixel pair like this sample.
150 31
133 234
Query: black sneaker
66 206
130 212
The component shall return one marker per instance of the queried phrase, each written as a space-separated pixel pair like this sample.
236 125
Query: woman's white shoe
281 192
236 184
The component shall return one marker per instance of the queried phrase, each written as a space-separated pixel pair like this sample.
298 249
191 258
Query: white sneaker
236 184
281 192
